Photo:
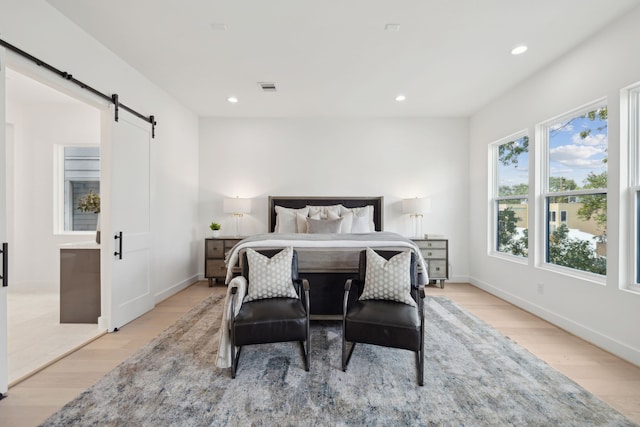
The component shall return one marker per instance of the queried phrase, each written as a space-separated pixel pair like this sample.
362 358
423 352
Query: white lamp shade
416 206
236 205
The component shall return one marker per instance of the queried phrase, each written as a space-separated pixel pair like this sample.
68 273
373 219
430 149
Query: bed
326 259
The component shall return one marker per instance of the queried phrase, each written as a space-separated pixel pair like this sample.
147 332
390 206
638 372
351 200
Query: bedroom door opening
4 353
37 119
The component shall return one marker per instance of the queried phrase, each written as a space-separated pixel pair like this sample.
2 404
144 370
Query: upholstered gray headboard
298 202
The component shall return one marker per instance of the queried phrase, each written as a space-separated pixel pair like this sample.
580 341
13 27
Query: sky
573 157
570 155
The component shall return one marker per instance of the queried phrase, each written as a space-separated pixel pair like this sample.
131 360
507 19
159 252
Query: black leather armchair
382 322
270 320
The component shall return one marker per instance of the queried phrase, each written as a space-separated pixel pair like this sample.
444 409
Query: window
79 175
511 192
575 185
634 148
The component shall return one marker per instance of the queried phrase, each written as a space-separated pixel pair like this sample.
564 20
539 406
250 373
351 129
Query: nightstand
436 255
215 251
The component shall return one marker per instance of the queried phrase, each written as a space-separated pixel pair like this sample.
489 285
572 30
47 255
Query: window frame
495 198
544 196
632 96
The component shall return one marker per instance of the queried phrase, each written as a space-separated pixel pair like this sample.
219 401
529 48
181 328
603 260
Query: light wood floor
612 379
35 335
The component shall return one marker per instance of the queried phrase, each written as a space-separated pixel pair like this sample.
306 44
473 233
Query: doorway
40 119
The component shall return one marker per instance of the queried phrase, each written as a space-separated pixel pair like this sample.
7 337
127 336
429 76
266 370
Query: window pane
83 221
513 168
580 240
513 232
578 152
81 176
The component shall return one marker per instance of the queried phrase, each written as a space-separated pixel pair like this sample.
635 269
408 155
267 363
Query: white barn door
4 354
126 235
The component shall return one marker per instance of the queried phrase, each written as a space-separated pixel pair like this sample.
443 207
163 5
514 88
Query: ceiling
334 57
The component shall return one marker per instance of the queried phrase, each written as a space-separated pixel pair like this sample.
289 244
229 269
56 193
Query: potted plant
91 203
215 228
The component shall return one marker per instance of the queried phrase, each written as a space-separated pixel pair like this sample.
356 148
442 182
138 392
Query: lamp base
417 225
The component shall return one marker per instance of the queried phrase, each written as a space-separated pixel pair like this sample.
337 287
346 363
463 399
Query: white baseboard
174 289
609 344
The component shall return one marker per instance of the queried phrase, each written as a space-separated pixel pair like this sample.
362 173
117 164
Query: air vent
267 87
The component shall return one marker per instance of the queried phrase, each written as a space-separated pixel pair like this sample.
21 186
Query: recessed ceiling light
519 50
400 98
232 99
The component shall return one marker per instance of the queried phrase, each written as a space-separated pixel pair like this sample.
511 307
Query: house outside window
575 185
510 195
79 175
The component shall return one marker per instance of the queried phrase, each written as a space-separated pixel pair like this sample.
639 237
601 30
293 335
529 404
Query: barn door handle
5 265
118 238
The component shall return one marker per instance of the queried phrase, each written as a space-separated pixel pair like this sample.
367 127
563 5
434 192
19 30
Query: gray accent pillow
323 226
270 277
388 280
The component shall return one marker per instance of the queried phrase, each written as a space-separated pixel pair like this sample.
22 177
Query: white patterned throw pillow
388 280
270 277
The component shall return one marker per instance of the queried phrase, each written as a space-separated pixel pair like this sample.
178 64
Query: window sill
576 274
74 233
511 258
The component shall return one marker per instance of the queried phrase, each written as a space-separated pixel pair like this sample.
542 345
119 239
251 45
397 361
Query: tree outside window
81 179
511 196
576 186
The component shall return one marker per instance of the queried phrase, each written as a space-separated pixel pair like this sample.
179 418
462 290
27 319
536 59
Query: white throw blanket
224 350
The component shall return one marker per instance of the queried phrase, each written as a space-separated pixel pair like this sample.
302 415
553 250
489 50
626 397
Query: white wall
37 129
394 158
604 314
37 28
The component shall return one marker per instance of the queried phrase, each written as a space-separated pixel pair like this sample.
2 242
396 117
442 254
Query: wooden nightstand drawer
215 268
215 248
437 269
436 244
434 253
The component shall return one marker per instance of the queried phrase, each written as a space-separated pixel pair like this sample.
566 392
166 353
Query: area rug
474 376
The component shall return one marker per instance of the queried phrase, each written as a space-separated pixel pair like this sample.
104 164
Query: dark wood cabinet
79 285
215 251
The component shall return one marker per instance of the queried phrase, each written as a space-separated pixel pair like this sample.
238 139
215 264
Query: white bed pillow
301 221
270 277
286 220
347 220
362 219
388 280
324 210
